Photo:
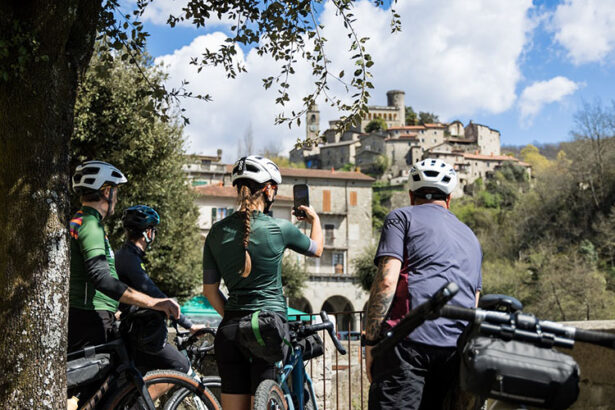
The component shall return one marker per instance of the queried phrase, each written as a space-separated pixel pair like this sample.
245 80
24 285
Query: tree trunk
44 46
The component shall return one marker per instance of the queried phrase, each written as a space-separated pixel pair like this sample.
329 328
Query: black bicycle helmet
138 218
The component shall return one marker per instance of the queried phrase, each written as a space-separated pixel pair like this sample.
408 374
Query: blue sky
519 66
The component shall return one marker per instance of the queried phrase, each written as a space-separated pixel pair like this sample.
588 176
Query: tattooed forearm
381 295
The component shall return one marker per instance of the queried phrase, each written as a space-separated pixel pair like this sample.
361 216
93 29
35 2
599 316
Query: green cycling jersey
88 240
223 258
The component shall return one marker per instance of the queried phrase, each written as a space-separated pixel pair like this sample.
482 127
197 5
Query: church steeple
312 123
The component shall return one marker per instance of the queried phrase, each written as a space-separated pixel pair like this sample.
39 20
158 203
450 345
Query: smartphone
301 196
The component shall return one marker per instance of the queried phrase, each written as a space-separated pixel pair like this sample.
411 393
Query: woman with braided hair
245 249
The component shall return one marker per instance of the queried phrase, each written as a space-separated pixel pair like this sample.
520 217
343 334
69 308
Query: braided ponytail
247 204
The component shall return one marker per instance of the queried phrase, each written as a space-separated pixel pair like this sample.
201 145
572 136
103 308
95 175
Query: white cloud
453 58
536 96
158 12
586 28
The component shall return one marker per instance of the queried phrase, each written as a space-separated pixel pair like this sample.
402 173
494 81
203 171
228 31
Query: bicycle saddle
499 302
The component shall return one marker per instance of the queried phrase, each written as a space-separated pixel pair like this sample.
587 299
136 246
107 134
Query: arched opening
340 306
301 304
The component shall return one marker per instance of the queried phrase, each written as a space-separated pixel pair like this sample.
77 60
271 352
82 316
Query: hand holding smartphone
301 196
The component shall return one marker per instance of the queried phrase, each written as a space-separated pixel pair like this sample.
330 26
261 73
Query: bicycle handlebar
507 326
325 325
525 327
416 317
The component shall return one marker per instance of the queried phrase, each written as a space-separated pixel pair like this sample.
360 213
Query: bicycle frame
118 348
295 370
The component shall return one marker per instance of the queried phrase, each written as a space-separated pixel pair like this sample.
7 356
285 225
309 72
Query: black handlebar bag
145 330
518 372
265 335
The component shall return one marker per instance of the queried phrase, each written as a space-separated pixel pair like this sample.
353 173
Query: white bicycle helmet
256 168
433 173
92 175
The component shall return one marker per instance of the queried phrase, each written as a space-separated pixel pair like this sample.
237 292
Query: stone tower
395 98
312 123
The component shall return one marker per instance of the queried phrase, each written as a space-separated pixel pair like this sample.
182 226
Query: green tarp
199 306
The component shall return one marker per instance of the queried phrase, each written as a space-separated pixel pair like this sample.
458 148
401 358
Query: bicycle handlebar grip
458 312
595 337
331 330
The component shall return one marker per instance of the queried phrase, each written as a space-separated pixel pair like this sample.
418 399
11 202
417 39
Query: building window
329 234
326 200
338 262
353 198
217 214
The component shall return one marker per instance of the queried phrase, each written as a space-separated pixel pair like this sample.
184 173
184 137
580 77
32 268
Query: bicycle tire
210 382
196 396
269 396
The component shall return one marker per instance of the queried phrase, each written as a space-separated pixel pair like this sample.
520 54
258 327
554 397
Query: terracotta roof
317 173
490 157
323 173
407 127
434 125
220 191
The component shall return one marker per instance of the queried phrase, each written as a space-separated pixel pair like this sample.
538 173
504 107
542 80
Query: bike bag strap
518 372
256 329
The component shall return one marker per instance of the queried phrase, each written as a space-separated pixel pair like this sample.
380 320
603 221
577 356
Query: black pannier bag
144 330
87 369
518 372
265 335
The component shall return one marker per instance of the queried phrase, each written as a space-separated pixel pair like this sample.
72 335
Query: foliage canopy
116 121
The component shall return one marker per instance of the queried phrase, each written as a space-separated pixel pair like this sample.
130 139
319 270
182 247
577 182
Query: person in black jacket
140 223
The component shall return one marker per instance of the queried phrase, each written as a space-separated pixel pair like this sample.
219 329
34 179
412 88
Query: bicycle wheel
194 396
182 396
269 396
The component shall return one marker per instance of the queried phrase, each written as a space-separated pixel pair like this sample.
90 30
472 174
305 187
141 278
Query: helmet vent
430 173
446 179
251 168
115 174
416 178
91 170
89 180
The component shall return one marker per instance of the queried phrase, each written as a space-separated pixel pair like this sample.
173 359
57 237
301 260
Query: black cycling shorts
239 372
414 376
89 328
167 358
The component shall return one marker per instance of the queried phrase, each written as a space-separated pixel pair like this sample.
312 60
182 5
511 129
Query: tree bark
46 45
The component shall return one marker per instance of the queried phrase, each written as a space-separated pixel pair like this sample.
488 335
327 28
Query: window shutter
353 198
326 200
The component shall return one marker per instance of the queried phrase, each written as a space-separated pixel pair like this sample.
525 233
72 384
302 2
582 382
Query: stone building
487 139
343 201
394 114
204 169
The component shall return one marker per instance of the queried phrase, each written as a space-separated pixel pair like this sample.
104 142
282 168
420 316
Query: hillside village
474 149
343 199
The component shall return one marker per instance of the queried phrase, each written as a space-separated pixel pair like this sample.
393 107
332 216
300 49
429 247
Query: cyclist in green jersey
95 290
245 249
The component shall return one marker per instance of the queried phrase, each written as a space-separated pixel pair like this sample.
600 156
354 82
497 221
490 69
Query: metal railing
340 381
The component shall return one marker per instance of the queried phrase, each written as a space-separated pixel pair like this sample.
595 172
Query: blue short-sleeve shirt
435 248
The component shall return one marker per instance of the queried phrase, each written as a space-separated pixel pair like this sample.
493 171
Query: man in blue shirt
422 247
